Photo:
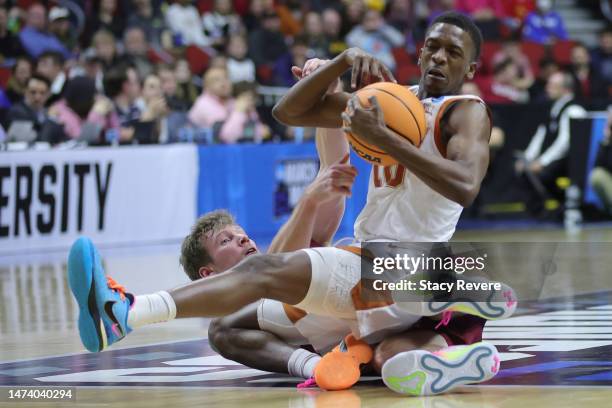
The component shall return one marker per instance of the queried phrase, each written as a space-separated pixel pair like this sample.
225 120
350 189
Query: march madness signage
114 195
292 177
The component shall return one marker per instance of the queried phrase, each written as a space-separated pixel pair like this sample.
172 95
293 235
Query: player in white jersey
323 280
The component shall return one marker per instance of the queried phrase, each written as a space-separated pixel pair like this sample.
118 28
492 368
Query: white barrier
114 195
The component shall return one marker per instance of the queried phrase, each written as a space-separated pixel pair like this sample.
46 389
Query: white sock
302 363
155 308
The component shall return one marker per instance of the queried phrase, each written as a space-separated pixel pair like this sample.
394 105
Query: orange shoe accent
337 371
359 349
116 287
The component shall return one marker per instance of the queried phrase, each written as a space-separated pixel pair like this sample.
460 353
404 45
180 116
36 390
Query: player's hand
519 166
332 182
363 122
309 67
536 167
366 68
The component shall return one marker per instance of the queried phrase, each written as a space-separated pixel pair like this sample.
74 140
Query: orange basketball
403 112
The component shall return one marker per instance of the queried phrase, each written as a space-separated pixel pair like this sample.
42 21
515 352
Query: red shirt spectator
481 8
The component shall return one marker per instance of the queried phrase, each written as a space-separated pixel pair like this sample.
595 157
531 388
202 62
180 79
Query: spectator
10 46
122 86
136 51
517 10
239 66
297 56
105 48
589 84
498 136
107 15
440 7
502 87
267 44
220 23
313 30
32 107
82 113
148 17
537 91
485 13
155 109
602 55
257 8
34 36
332 26
169 87
217 110
254 131
17 83
186 91
60 27
601 176
50 64
544 26
375 36
545 159
184 20
511 49
353 15
400 15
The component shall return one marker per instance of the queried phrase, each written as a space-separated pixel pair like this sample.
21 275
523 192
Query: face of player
227 247
446 60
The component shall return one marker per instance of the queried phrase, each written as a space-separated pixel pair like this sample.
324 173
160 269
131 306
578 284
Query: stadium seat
562 51
197 58
5 75
488 50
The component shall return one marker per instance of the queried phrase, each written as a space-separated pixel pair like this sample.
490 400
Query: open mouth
436 73
250 251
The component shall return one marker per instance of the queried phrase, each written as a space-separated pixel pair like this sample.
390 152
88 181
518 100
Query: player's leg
423 362
104 306
259 337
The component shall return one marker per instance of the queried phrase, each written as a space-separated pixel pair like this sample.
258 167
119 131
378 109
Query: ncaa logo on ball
364 155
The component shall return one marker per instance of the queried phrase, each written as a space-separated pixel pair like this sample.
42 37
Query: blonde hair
193 253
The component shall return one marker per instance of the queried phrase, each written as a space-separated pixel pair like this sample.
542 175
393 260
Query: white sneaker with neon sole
421 372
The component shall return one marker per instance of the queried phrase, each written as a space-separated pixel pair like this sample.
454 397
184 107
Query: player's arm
466 128
307 104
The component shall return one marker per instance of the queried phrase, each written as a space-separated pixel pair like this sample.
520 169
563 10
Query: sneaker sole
420 372
81 264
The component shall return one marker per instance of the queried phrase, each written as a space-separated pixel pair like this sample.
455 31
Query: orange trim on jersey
354 250
375 298
437 133
293 313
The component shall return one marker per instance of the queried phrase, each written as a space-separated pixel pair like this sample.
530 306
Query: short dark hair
193 253
57 57
114 79
466 24
38 77
502 65
24 58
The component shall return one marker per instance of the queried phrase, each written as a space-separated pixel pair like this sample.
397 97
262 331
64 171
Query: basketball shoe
490 304
103 304
421 372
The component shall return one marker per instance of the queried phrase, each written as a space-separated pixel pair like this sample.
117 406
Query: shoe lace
446 317
116 287
308 383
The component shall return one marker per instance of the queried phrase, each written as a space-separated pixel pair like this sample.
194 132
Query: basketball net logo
393 175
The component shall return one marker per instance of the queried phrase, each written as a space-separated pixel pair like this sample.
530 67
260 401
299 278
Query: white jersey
401 207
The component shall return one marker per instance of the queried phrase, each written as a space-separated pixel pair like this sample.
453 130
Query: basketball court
556 350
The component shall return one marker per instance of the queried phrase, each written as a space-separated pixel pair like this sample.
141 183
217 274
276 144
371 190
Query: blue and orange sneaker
103 304
420 372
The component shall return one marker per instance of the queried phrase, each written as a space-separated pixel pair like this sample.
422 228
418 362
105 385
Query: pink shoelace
446 317
309 383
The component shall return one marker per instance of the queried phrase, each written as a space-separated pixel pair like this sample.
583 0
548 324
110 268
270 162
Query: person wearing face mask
544 26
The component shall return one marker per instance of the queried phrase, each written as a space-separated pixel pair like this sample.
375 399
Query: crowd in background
149 71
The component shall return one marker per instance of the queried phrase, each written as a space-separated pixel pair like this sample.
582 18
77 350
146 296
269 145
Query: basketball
403 113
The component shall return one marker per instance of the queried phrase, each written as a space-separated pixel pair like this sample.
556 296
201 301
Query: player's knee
218 336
